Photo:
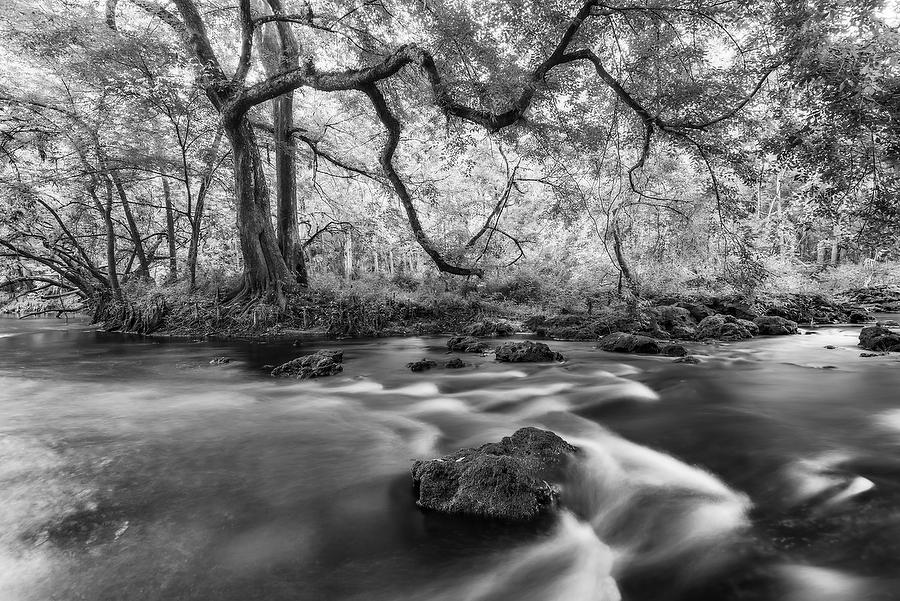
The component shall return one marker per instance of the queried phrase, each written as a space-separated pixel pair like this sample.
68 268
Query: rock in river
514 479
726 327
878 338
421 365
316 365
774 325
527 351
622 342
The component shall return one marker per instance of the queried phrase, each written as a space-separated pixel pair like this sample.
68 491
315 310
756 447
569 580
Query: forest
284 162
449 300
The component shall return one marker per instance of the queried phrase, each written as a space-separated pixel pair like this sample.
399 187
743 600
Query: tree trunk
820 252
197 218
836 245
264 267
143 265
280 52
348 256
624 269
170 230
288 230
110 241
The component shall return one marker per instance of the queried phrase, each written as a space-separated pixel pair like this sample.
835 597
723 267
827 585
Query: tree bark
280 52
197 218
106 212
136 240
264 267
348 256
624 269
170 230
836 245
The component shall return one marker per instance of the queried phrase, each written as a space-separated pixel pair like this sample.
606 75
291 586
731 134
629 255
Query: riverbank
368 313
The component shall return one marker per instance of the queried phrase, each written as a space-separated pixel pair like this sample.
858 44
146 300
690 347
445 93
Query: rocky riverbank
661 318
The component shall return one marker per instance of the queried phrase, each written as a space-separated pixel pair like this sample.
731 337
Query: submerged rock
691 359
455 363
316 365
514 479
527 351
878 338
466 344
622 342
421 365
726 327
490 327
219 360
773 325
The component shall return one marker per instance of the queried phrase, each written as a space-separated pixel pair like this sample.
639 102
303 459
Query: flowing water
133 469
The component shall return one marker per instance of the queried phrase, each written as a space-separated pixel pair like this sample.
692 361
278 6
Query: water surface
133 469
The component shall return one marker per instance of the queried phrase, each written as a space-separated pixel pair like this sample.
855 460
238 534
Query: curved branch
392 125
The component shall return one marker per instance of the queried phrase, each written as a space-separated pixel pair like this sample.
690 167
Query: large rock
806 308
514 479
726 327
774 325
527 351
490 327
622 342
467 344
677 321
878 338
316 365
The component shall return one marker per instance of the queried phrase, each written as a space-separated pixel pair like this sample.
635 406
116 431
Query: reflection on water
133 469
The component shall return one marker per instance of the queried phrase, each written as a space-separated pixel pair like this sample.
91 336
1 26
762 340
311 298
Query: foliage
563 151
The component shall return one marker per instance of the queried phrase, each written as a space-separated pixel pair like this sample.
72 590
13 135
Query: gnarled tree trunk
264 267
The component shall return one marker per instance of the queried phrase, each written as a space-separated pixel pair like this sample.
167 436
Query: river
133 469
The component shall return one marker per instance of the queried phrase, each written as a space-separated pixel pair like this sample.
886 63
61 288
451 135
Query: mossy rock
515 479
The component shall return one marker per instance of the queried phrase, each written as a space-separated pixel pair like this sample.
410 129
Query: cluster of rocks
623 342
681 323
426 364
883 299
812 309
518 478
526 351
512 352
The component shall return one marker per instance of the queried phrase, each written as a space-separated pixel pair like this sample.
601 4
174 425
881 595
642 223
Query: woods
252 152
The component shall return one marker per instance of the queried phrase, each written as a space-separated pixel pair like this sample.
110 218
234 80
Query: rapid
133 469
